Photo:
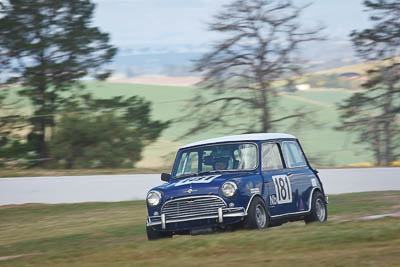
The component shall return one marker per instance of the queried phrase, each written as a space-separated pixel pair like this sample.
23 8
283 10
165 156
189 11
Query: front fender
251 199
248 188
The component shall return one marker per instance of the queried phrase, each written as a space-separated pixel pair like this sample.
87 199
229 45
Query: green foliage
15 149
50 45
134 111
374 113
94 141
111 134
9 118
382 40
19 153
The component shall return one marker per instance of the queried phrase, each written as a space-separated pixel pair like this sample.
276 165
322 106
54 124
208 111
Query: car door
302 178
277 185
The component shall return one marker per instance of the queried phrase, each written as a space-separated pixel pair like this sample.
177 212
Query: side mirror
165 177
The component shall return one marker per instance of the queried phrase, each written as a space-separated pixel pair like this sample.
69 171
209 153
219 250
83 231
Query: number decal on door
282 188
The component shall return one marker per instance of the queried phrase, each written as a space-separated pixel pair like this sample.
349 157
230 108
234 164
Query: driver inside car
221 163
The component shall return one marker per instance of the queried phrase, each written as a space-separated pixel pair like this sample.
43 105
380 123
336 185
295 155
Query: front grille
192 207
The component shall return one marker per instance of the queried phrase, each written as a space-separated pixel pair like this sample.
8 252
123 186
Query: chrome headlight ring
153 198
229 189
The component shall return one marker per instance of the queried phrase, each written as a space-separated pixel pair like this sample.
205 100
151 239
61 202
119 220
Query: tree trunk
265 112
388 143
377 144
41 124
387 126
42 146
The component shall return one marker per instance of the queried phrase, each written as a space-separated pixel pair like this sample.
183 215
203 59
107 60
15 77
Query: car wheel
319 212
257 216
154 235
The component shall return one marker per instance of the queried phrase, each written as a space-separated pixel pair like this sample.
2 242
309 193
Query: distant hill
360 68
178 61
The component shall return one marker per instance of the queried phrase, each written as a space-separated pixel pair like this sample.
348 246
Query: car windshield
216 158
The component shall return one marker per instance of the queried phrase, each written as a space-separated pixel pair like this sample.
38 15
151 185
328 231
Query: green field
323 145
104 234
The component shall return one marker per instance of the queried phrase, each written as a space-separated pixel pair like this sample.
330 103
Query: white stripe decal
198 180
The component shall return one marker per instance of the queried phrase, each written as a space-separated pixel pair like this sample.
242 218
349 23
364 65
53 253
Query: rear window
293 155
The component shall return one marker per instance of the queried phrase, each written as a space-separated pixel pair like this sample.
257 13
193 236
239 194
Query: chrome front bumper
222 213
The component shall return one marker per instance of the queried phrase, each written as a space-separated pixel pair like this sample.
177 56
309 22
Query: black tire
154 235
319 212
257 215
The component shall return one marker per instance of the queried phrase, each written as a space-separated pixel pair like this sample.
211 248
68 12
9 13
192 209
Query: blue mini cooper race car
250 180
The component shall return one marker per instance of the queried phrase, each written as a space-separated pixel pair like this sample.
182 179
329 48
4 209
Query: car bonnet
209 184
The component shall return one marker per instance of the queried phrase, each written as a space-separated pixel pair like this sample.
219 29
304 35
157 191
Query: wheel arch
252 199
317 189
314 191
311 217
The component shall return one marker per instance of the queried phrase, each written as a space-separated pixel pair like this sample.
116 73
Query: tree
259 44
374 113
94 141
10 120
111 133
50 45
8 116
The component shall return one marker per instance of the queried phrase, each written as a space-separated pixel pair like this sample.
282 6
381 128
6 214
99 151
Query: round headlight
229 189
153 198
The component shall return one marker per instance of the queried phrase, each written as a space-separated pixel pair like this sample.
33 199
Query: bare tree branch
261 39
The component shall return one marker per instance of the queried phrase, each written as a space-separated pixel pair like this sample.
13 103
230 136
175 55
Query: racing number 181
283 189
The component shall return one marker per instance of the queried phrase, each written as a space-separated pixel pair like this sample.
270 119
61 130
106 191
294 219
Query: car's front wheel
257 215
154 235
319 212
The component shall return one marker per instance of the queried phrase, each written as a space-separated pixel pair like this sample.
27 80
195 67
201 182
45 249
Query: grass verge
104 234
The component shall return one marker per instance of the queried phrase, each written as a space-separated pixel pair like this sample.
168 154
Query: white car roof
241 137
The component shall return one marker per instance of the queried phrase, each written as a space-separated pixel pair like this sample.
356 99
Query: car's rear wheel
154 235
319 212
257 215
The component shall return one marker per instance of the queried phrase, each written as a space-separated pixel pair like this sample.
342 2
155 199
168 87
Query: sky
148 26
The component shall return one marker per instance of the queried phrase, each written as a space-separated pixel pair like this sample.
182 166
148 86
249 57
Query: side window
271 158
292 154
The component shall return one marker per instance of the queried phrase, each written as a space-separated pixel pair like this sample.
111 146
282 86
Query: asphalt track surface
110 188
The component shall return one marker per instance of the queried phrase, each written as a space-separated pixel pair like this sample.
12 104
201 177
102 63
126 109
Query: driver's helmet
222 160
